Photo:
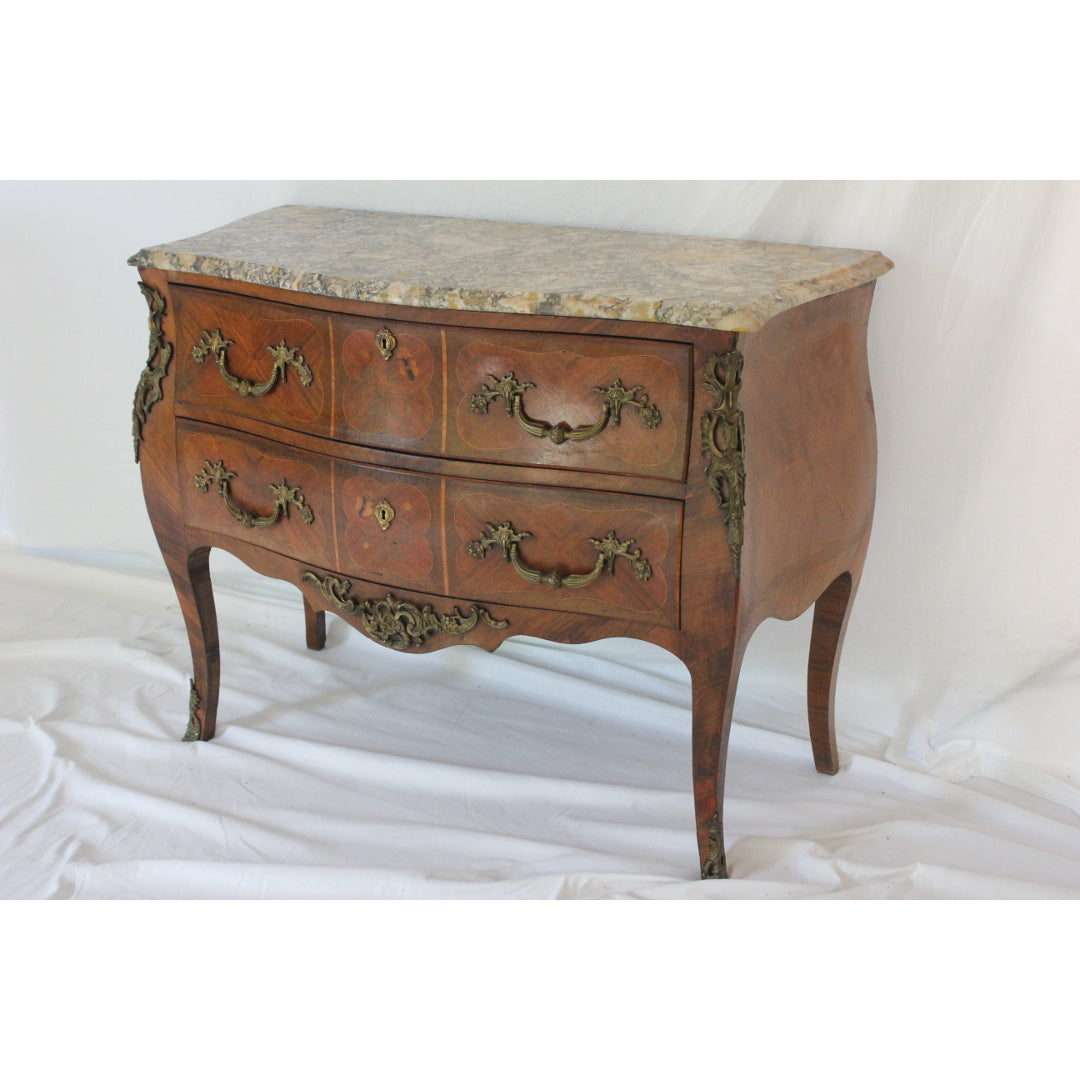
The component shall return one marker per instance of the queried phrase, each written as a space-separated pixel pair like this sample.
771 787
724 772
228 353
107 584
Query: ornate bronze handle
615 397
216 473
609 549
214 343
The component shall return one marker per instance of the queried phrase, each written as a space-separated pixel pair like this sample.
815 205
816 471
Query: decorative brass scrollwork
194 726
148 392
715 866
723 445
615 397
386 343
215 344
397 623
216 473
610 548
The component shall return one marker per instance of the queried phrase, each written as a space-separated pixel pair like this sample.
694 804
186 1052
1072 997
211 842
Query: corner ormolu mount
723 445
148 392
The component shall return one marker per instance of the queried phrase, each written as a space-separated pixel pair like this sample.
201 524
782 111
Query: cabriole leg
714 675
831 614
190 574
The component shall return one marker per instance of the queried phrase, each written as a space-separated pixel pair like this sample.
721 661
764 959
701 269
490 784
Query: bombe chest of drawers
445 430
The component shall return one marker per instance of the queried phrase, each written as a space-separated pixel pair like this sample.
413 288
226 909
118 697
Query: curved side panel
811 454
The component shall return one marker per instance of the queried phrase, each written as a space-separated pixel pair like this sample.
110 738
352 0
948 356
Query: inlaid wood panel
389 525
247 332
565 380
223 476
389 384
563 525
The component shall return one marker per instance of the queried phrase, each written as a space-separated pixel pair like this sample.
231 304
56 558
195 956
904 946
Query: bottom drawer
551 548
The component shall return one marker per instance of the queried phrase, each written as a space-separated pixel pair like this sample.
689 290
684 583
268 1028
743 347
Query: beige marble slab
472 265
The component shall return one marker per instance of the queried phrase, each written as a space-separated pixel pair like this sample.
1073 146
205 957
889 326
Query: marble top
502 266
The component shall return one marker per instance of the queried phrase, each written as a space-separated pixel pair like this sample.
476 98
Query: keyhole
386 343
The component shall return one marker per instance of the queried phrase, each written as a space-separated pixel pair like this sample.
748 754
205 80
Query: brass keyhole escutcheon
386 343
384 514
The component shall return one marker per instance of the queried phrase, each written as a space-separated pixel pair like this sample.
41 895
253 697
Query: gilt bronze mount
214 472
194 727
723 445
215 344
610 548
396 623
148 393
384 514
715 865
615 397
386 343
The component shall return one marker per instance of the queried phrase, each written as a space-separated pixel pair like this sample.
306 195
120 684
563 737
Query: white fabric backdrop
334 774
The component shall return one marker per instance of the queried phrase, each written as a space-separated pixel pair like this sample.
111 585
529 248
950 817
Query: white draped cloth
543 770
539 771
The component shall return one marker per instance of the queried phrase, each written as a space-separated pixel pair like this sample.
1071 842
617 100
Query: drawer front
252 358
594 553
389 384
569 401
389 525
257 491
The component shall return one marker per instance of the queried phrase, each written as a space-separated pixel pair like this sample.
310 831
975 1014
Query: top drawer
568 401
268 361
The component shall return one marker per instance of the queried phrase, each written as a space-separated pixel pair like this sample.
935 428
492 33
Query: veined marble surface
473 265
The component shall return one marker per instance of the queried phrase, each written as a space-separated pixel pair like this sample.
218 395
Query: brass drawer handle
609 549
216 473
615 397
214 343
